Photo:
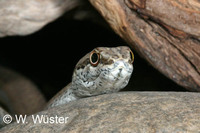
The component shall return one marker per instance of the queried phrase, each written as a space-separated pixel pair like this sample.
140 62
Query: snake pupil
94 58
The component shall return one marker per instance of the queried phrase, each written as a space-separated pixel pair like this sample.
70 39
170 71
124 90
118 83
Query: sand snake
103 70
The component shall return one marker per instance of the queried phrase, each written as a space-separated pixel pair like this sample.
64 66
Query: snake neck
64 96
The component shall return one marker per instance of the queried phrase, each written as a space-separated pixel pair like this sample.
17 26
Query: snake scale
103 70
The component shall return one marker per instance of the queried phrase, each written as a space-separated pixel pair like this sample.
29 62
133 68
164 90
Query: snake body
103 70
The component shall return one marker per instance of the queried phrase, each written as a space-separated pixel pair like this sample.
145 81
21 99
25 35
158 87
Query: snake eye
94 58
132 56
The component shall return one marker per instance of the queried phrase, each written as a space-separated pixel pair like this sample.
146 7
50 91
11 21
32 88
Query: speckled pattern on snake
103 70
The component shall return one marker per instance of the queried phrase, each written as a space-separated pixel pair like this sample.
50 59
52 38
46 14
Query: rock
122 112
18 94
23 17
2 113
166 33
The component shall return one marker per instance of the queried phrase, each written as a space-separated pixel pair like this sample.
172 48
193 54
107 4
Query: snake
103 70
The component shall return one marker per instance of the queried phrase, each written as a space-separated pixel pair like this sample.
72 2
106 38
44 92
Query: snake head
103 70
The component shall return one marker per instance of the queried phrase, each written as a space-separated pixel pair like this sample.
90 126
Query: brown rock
166 33
2 113
18 94
182 15
122 112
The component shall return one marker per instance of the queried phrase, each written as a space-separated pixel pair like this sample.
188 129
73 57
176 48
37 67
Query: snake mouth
114 75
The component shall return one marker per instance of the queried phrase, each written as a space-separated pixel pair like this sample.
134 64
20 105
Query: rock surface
122 112
2 113
19 95
164 32
23 17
